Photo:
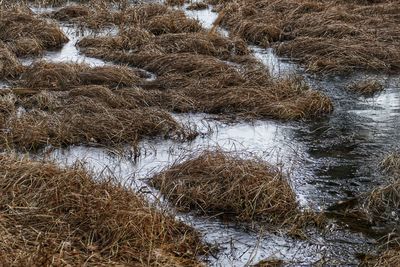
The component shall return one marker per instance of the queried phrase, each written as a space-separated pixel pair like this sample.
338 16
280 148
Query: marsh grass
336 37
212 73
28 34
63 216
366 87
10 66
218 183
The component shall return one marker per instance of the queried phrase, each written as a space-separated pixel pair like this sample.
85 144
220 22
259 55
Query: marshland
200 133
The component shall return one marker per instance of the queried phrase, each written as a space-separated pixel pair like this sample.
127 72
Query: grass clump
28 34
71 12
55 216
197 6
383 203
10 67
330 36
63 76
366 87
219 183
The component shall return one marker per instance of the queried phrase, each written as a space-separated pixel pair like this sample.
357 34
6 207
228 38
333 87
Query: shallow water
331 159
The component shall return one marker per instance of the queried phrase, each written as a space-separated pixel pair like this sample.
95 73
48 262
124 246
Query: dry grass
197 6
175 2
193 71
223 184
63 76
204 71
10 67
325 36
383 203
52 216
366 87
71 12
219 183
389 255
27 33
86 116
388 258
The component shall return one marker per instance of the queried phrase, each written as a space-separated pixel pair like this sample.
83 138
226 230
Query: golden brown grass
91 115
53 216
63 76
223 184
192 67
218 183
71 12
324 36
10 67
28 34
383 203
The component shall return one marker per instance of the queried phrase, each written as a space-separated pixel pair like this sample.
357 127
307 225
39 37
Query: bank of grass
324 36
90 115
63 216
63 104
223 184
214 73
26 33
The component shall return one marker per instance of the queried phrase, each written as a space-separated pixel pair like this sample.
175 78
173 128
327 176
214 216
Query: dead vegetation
383 203
324 36
63 76
63 104
26 33
10 67
204 71
53 216
197 6
217 183
366 87
222 184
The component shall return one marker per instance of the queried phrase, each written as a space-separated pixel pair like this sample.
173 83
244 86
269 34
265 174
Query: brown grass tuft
325 36
219 183
175 2
70 12
366 87
197 6
27 33
54 216
63 76
10 67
